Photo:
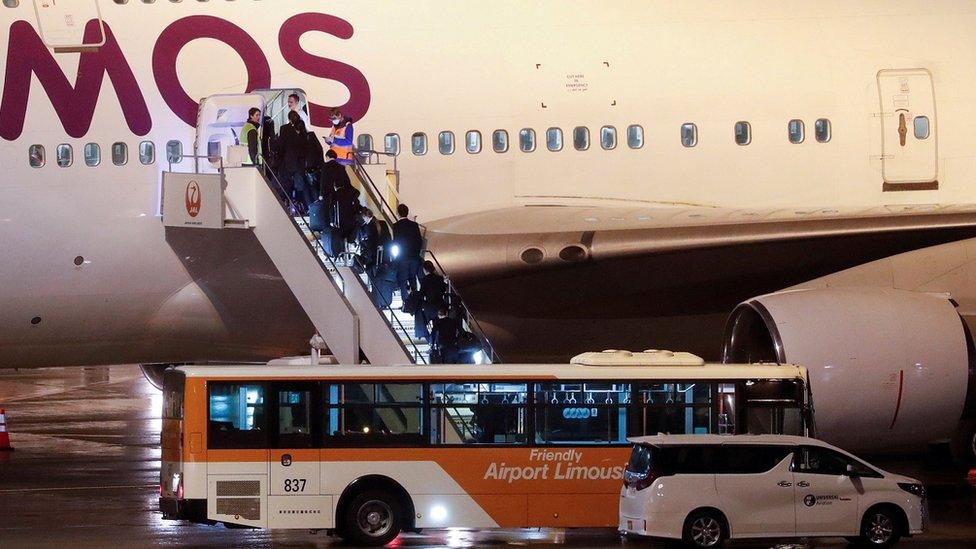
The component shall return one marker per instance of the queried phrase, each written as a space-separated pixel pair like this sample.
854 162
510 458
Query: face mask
336 120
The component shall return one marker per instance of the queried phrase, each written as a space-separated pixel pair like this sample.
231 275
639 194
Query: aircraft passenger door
293 488
64 24
220 120
908 122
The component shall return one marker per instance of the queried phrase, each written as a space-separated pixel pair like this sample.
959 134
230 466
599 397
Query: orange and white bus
369 451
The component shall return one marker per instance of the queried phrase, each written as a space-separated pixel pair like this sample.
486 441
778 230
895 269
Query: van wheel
880 528
371 519
704 529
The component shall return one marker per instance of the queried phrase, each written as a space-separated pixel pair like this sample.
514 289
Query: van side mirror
849 471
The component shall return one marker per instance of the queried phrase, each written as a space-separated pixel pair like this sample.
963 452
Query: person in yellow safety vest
342 137
249 135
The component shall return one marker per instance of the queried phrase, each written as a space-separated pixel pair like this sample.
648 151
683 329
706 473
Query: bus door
294 499
909 142
237 452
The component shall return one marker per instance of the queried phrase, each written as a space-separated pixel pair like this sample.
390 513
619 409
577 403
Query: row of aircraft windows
64 154
15 3
742 135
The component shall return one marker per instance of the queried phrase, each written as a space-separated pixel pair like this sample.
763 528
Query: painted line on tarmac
122 487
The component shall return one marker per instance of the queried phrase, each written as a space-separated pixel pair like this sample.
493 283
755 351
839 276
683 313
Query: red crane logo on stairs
193 198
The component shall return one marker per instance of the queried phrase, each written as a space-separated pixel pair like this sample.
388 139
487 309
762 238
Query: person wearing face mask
249 135
342 136
294 104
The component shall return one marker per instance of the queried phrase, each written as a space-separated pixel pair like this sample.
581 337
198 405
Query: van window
743 133
499 141
748 460
689 134
36 157
391 143
608 138
795 131
445 142
237 416
527 140
554 139
921 127
418 143
120 153
581 138
64 155
824 461
472 142
93 154
147 152
635 136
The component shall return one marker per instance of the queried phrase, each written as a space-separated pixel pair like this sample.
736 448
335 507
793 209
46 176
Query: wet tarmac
84 473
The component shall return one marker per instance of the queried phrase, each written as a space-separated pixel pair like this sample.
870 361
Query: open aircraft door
908 121
220 119
64 23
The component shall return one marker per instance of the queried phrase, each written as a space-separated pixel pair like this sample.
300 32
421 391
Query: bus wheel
371 519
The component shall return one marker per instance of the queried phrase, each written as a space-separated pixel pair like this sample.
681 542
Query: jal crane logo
193 198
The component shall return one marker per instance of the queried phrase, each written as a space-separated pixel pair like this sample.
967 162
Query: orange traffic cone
4 435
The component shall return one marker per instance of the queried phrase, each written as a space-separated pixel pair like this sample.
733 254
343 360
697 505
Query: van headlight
913 488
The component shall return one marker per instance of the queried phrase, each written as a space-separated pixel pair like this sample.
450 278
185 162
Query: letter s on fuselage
75 105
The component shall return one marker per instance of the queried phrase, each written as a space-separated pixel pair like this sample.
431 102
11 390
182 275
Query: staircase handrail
389 215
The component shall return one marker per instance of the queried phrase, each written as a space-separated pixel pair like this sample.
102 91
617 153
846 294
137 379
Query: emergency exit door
909 139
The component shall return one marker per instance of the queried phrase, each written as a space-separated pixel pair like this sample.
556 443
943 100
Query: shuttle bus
369 451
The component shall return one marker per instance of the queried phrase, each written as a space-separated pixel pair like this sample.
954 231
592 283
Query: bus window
294 418
581 412
374 413
237 416
773 406
478 413
173 395
677 408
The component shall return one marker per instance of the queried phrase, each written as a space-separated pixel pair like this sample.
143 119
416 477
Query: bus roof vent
650 357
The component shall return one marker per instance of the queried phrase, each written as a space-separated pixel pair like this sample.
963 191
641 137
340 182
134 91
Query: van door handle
803 484
784 484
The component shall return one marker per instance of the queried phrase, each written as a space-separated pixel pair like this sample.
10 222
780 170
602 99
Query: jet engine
890 371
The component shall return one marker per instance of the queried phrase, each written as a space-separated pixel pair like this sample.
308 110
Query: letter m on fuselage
75 105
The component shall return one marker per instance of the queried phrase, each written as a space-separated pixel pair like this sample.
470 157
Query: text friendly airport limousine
788 182
368 451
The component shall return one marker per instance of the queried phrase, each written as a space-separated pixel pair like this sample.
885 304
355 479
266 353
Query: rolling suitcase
318 220
332 242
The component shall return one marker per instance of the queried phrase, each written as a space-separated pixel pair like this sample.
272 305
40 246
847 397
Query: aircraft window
418 143
921 127
581 138
64 155
743 133
472 142
147 152
608 138
36 157
689 134
527 140
635 136
554 139
391 143
13 4
499 141
364 142
445 142
821 129
174 151
120 153
795 130
93 154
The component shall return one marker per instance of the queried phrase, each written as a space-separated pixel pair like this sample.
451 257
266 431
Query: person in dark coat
368 237
444 338
347 211
332 175
409 244
294 149
432 290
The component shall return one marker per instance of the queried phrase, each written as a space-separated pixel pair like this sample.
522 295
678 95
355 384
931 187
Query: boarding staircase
348 313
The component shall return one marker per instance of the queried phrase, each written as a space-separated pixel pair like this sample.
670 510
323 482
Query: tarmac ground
85 473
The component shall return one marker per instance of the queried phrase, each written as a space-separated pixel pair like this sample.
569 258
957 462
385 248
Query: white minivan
705 489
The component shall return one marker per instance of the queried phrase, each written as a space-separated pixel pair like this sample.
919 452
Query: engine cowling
890 370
